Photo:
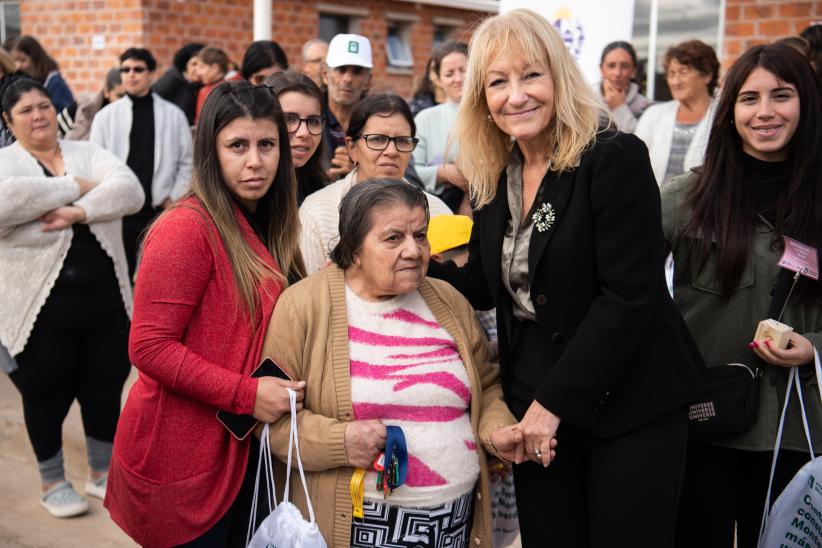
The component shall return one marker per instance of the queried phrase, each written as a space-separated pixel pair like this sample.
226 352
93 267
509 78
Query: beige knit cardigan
30 259
308 336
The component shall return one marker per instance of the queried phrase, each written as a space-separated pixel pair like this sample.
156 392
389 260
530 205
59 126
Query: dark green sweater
722 326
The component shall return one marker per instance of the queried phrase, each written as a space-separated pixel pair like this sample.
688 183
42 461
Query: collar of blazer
555 189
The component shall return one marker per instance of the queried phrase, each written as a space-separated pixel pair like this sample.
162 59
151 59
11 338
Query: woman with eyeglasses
301 100
380 139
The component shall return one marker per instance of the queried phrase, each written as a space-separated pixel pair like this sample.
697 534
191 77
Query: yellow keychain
357 488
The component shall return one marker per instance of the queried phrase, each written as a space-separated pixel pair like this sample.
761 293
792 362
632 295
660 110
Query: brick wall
751 22
66 29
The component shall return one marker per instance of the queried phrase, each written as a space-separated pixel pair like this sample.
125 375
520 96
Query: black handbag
729 404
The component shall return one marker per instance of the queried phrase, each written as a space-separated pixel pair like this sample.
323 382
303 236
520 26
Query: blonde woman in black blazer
593 352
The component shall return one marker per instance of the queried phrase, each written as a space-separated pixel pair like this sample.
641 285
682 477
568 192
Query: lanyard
357 488
395 447
391 467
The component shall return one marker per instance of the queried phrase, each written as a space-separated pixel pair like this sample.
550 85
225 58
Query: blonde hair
484 147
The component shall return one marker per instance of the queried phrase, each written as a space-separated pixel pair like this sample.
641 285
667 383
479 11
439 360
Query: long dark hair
311 177
278 208
722 206
41 62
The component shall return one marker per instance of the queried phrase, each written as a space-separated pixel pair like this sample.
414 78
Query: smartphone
241 426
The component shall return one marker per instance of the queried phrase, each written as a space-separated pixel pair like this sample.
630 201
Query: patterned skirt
388 526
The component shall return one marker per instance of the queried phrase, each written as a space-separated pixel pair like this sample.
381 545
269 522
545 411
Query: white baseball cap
349 49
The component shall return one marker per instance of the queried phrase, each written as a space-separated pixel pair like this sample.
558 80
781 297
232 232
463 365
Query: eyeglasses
314 124
136 70
378 141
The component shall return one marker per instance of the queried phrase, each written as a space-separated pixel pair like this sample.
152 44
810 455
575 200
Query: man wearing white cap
347 75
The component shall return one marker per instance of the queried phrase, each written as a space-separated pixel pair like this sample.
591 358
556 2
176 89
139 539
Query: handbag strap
793 378
263 459
294 440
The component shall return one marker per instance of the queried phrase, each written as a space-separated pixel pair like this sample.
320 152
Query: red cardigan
175 469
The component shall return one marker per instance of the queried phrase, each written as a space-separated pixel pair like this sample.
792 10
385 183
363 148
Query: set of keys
388 477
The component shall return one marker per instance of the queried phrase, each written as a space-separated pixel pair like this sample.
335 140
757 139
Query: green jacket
723 326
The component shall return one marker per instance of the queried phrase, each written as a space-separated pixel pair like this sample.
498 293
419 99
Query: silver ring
538 453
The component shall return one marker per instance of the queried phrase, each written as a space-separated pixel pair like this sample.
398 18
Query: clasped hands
533 438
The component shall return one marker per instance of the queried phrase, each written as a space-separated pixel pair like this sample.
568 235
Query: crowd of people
524 274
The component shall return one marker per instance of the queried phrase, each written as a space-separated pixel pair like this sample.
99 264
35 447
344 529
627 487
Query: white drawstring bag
285 527
796 517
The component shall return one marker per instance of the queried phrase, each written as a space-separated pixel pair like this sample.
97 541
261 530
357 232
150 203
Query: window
442 34
677 22
445 29
9 21
397 45
332 25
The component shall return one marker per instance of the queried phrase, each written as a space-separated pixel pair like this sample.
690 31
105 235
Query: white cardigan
656 129
320 220
30 259
111 129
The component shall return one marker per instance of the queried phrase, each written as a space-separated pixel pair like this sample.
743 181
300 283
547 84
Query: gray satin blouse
516 241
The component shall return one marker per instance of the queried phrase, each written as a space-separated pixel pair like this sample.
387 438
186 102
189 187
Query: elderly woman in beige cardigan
381 345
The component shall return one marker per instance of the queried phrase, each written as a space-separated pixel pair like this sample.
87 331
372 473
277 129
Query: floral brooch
544 217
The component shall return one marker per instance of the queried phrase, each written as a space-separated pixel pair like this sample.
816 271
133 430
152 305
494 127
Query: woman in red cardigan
212 269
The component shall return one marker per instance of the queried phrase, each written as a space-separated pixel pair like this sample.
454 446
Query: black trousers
232 529
84 357
724 487
613 493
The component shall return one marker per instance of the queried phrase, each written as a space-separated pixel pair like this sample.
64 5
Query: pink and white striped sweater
406 371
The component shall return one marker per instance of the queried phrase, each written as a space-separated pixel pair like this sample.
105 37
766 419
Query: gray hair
311 43
356 212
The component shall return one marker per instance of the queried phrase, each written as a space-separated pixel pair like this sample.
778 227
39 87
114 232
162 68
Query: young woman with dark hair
32 59
761 181
301 101
262 59
213 266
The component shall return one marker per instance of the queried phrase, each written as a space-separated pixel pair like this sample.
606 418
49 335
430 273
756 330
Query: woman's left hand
539 428
62 218
799 351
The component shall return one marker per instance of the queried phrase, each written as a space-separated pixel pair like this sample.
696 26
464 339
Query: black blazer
620 353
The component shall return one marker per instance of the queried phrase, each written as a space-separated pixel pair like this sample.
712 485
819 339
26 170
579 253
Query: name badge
800 258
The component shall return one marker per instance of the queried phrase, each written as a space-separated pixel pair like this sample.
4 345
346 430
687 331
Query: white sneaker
62 501
97 488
